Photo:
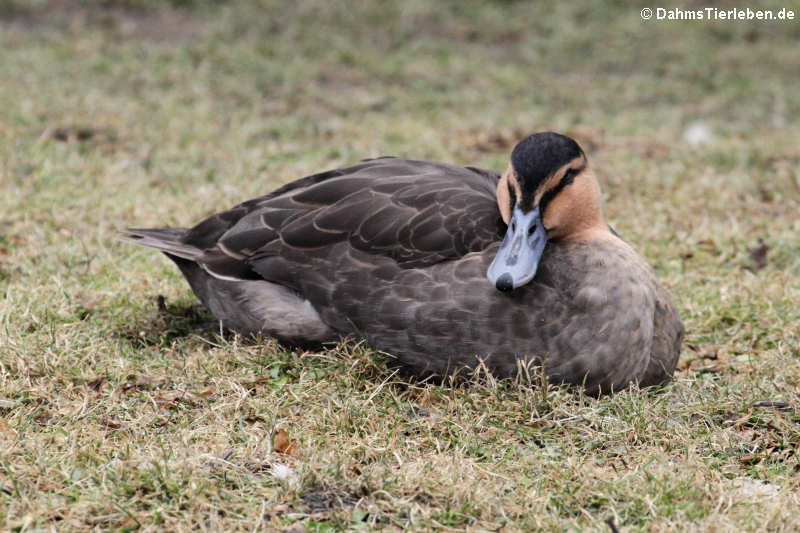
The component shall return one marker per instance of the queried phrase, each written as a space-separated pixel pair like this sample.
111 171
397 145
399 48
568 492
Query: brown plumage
397 251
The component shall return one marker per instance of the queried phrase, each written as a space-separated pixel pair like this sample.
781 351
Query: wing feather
415 212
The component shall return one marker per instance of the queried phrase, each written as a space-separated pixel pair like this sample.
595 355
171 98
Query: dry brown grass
117 413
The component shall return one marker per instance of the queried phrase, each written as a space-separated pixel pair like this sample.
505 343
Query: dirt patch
164 23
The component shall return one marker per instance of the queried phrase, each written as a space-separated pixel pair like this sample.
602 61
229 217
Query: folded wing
415 212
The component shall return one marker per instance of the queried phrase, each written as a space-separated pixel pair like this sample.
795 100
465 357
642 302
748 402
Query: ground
123 407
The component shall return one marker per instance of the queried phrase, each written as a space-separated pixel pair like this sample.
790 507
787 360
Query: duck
443 267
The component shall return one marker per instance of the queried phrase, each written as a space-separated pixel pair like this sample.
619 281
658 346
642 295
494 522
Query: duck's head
547 194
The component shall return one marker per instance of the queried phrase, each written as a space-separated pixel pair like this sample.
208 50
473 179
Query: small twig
612 525
260 516
780 406
225 462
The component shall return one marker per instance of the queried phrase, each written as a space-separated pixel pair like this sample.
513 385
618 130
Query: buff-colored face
564 206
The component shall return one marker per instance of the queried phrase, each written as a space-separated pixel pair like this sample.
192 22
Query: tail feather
167 240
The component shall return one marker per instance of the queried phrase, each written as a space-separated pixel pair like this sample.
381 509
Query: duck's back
417 213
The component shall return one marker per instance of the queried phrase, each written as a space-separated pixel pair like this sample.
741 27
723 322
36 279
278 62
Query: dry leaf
208 391
113 424
282 444
168 398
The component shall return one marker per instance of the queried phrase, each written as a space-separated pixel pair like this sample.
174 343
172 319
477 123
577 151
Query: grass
122 412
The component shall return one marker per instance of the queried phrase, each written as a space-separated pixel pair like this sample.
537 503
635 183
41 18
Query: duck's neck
576 213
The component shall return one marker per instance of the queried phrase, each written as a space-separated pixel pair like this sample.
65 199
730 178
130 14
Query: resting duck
442 267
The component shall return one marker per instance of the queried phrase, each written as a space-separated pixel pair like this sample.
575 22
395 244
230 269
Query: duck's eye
513 226
531 229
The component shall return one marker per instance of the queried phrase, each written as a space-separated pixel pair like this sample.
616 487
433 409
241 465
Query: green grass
117 413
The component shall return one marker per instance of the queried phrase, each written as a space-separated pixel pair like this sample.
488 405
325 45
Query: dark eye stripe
569 177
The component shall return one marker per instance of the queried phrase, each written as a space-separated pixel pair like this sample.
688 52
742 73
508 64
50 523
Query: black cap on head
536 157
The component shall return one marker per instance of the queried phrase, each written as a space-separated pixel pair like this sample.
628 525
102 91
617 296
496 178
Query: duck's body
397 251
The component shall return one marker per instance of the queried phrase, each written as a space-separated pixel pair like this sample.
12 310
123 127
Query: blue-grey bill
518 257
